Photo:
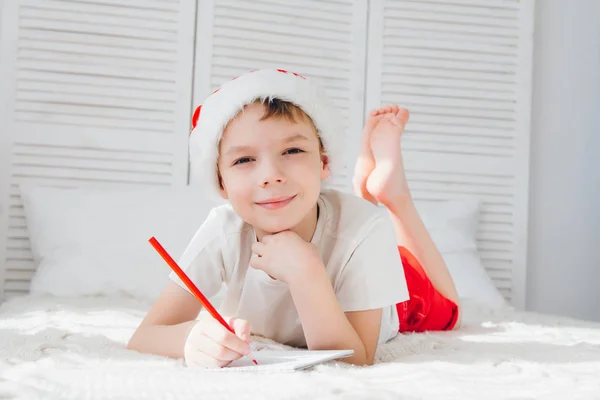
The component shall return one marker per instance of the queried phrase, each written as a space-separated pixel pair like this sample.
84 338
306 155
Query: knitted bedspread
59 348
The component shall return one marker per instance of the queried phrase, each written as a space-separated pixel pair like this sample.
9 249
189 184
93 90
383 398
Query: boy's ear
222 190
325 168
223 193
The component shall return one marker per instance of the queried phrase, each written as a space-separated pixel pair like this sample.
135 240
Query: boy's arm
371 279
170 330
326 326
162 331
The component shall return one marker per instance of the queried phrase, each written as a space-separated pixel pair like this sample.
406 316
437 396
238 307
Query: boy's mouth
275 203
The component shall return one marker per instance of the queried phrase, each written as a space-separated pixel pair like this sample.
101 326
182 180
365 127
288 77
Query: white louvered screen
96 92
321 39
462 67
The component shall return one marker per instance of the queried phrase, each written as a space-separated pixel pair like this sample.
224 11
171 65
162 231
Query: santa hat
210 119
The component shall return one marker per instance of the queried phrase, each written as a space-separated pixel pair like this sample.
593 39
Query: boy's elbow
358 361
367 361
133 344
370 358
363 358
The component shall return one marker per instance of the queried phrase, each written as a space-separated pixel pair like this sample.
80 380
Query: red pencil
193 288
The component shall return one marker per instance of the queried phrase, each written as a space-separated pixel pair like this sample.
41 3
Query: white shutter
462 68
323 40
95 92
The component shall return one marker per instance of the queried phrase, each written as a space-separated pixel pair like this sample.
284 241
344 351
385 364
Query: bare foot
387 181
365 164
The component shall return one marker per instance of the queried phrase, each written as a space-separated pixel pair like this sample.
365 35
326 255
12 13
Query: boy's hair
280 109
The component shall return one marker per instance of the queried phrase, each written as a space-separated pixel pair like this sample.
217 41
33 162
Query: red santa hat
210 119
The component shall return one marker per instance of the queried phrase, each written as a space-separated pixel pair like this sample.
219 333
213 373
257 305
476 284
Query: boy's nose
271 173
268 182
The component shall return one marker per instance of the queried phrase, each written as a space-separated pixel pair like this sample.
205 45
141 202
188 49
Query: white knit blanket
74 349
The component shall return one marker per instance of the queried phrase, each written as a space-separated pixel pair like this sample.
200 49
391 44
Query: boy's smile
271 171
275 203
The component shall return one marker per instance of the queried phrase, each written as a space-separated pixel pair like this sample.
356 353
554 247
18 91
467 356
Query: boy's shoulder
350 215
224 220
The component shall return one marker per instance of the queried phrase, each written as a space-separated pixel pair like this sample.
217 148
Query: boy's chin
276 225
275 228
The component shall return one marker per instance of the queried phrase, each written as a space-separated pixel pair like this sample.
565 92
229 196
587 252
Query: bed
97 275
74 348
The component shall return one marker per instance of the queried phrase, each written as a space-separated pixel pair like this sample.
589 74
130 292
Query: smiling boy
305 266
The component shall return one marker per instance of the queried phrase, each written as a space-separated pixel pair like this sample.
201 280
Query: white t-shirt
357 245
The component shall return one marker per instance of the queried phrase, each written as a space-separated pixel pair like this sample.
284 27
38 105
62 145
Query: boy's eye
293 151
242 160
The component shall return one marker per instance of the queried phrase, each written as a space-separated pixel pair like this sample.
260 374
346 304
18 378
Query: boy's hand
284 256
211 345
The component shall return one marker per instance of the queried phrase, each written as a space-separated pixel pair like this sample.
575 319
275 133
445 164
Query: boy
303 266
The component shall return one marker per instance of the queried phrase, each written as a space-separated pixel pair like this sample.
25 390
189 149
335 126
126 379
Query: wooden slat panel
60 42
105 8
98 95
474 8
19 275
66 39
457 65
133 5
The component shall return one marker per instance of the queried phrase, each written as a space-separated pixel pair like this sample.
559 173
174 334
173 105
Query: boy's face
271 170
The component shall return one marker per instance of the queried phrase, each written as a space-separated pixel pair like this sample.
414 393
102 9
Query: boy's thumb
246 337
242 329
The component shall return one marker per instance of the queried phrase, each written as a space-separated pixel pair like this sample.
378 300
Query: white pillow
453 227
95 241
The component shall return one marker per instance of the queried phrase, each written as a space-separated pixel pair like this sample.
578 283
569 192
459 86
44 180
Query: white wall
564 252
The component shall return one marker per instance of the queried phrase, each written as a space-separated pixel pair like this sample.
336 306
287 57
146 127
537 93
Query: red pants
426 309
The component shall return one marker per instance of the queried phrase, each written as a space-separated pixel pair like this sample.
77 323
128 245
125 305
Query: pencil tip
254 361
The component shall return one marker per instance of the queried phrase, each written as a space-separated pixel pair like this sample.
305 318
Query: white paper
286 360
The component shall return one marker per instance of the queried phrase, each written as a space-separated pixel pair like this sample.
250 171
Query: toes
382 110
396 115
403 115
393 108
388 118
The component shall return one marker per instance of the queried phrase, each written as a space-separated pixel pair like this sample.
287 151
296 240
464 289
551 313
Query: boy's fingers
241 328
225 338
197 358
217 351
258 248
266 239
256 262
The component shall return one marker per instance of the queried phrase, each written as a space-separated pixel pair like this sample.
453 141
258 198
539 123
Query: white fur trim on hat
226 102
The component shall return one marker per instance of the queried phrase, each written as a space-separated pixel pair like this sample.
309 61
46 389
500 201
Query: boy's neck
305 229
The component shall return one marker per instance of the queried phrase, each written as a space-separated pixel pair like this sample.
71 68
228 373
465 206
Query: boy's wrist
312 270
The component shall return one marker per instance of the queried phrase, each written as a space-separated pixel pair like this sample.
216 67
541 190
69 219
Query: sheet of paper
286 360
